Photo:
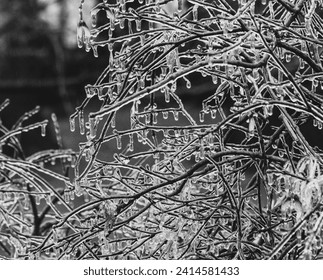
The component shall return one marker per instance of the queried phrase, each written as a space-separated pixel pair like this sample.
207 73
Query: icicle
118 139
288 57
26 201
72 195
81 122
130 27
147 118
111 16
94 16
87 154
197 157
175 113
214 79
37 199
163 73
113 121
195 13
144 137
72 123
136 107
92 127
77 186
131 145
186 135
213 113
141 83
188 84
155 115
173 87
95 50
66 196
43 129
167 95
138 24
270 179
269 109
121 23
111 59
83 35
201 116
252 124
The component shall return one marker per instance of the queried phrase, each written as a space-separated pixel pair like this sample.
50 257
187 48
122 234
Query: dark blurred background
40 64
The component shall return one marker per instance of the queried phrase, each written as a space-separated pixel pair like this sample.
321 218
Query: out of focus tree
37 50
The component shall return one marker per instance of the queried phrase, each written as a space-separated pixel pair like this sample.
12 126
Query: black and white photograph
161 130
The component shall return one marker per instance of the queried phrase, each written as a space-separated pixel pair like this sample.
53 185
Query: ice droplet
43 129
83 34
92 127
131 145
138 24
215 79
288 57
167 96
165 115
72 123
94 17
118 139
81 122
195 14
252 125
37 199
201 116
113 121
111 59
213 113
270 109
175 113
155 116
270 179
95 50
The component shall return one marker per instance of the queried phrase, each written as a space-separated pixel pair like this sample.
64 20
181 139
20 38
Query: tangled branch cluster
238 181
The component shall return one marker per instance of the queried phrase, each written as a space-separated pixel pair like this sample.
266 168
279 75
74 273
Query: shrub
239 180
31 192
